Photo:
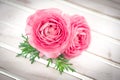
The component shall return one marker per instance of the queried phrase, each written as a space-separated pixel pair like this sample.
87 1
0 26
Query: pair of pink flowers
53 33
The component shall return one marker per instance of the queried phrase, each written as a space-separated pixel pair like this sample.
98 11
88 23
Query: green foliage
50 61
61 64
27 50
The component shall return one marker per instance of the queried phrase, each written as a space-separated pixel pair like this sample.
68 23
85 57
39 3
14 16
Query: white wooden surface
24 69
100 61
106 7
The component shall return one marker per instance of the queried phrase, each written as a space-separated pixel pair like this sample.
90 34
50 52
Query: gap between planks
13 76
95 9
89 11
117 65
43 61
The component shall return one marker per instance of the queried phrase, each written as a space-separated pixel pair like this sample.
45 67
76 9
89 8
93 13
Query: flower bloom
48 31
80 37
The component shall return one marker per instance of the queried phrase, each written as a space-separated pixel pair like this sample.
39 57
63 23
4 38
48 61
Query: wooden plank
89 65
109 3
16 25
106 7
104 47
6 75
116 1
3 77
23 68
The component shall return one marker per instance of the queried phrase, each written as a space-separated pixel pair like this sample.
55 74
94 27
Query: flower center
50 32
80 39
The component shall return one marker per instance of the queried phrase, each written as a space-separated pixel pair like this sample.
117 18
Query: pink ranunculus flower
48 31
80 37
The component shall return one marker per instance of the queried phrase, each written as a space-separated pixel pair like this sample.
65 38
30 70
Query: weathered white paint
43 61
106 7
105 30
21 67
12 76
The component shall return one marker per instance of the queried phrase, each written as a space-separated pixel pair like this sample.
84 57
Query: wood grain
104 43
107 7
4 77
89 65
23 68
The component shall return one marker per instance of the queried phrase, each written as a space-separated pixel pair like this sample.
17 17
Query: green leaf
50 61
27 49
18 55
63 64
73 70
